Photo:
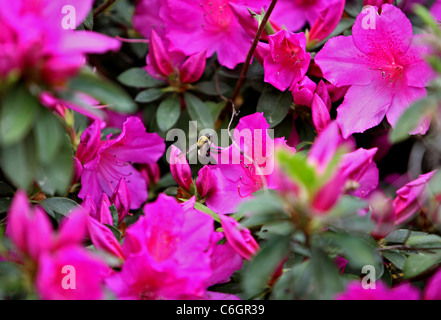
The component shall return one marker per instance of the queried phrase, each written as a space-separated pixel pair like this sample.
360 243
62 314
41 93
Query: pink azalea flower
236 177
195 26
50 252
355 291
384 66
167 253
287 60
105 163
71 273
411 197
36 42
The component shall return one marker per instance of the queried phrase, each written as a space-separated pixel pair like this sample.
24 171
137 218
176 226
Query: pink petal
364 107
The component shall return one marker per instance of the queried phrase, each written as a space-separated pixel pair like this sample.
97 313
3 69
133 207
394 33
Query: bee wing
191 148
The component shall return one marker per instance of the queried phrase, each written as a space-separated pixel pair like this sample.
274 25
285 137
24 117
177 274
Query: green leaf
297 167
412 117
4 204
19 163
209 88
419 263
401 235
115 217
149 95
204 209
198 111
263 209
105 91
396 258
215 108
115 231
274 104
168 113
326 280
17 115
139 78
88 22
424 241
58 207
356 251
264 264
48 136
12 284
6 190
427 18
55 177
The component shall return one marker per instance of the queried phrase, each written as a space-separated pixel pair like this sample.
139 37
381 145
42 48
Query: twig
102 7
250 55
408 248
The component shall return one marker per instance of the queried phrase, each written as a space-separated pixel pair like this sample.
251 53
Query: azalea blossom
168 253
105 163
47 252
287 61
384 67
195 26
36 42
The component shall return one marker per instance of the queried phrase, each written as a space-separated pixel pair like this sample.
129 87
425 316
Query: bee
203 145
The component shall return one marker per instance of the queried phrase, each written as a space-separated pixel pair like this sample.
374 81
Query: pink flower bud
193 68
180 169
320 114
77 170
159 64
104 214
245 18
329 194
327 21
411 197
239 237
204 183
29 229
121 199
303 92
103 238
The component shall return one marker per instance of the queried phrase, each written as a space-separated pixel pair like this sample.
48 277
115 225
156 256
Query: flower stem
250 55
